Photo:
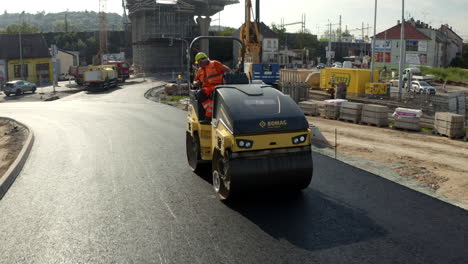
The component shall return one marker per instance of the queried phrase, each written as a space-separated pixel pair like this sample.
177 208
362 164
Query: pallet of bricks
332 108
375 115
407 119
351 112
449 124
309 108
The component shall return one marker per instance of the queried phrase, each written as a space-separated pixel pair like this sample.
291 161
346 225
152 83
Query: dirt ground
12 138
437 162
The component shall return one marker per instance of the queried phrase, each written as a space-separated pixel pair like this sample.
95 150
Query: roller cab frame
258 138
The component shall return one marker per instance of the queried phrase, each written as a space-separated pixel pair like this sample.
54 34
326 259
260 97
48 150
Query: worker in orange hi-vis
208 77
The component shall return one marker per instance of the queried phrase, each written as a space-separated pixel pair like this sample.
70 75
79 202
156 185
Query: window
412 45
17 70
269 44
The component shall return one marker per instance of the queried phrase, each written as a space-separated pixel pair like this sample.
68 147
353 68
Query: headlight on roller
242 143
299 139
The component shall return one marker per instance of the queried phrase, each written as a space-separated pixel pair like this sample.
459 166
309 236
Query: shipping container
355 79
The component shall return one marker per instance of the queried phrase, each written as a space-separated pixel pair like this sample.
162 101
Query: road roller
258 138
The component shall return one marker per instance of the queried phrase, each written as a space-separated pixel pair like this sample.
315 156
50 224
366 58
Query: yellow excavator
258 137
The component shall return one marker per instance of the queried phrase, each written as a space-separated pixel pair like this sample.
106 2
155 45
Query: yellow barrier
376 88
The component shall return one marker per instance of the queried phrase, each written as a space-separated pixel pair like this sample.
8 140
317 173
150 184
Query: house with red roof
425 46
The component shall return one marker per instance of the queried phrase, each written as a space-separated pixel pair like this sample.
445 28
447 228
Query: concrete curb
15 168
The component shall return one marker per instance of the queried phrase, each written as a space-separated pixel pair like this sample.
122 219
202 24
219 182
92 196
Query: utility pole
21 47
373 43
329 43
402 51
362 32
339 31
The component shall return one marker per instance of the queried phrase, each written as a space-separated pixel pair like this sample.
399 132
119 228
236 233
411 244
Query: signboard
114 57
53 50
3 76
383 45
383 57
388 57
422 46
416 59
330 54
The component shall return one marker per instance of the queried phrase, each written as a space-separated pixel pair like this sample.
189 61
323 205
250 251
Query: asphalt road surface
107 182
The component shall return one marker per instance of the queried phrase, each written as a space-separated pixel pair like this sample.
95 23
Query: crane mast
250 34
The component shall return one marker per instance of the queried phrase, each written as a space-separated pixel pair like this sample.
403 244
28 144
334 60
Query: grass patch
426 129
175 98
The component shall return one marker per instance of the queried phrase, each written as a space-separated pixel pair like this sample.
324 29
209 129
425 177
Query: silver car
18 87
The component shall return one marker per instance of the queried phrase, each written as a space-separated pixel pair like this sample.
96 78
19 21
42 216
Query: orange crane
250 34
97 60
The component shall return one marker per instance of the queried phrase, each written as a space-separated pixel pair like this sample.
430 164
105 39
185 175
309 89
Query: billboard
416 59
383 45
3 76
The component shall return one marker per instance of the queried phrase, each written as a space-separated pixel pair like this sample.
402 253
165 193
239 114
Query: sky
318 12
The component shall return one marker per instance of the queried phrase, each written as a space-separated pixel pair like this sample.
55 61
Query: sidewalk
64 88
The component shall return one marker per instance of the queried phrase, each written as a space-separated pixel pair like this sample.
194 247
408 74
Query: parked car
320 66
65 76
337 65
18 87
421 87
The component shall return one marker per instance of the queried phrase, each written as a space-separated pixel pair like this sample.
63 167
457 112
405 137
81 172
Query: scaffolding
156 27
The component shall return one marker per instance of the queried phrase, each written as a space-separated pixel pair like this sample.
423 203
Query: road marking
170 210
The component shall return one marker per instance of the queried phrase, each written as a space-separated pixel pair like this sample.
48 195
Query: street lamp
373 43
402 51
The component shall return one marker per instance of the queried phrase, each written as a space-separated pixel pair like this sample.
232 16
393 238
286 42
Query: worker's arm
221 68
226 69
197 81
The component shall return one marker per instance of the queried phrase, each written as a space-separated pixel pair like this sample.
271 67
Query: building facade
66 59
425 46
32 62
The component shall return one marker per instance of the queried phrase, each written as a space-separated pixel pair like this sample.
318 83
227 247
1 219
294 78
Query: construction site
411 134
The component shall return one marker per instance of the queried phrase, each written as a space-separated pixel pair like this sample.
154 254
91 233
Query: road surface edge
15 168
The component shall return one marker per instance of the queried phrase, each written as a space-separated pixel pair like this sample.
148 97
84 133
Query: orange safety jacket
210 76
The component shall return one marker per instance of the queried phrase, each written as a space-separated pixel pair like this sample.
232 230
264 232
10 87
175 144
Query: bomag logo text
278 123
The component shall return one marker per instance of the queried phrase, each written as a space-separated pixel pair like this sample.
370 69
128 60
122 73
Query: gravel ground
12 138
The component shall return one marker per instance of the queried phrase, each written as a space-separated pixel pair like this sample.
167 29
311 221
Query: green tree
281 32
227 31
24 28
447 74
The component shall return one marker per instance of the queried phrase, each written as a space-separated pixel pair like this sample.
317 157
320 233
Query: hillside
56 22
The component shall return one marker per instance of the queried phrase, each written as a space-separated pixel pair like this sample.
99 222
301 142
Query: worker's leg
201 97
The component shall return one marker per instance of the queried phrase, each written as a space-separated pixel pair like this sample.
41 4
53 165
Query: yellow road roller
257 138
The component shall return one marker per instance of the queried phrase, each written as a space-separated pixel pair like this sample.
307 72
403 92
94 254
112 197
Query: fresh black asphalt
107 182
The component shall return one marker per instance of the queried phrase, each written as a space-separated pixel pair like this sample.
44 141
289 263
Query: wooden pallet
451 137
405 129
348 120
329 118
371 124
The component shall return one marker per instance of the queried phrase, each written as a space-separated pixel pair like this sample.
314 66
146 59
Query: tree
458 62
227 31
447 74
24 28
281 32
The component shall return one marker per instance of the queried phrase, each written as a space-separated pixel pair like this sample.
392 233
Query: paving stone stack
332 108
408 119
375 115
332 111
309 108
351 112
449 124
